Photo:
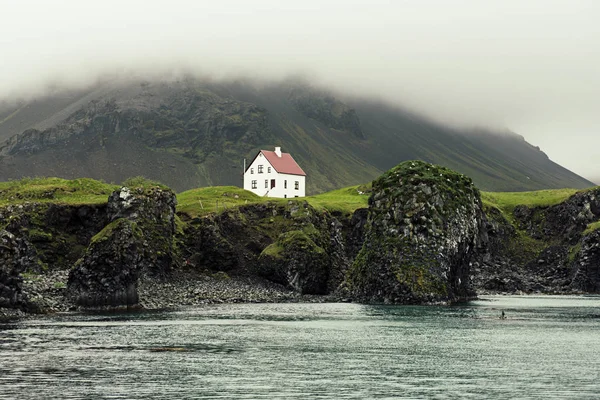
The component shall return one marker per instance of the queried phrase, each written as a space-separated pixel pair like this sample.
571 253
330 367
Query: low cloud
531 67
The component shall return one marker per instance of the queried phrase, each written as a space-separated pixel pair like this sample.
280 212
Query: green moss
203 201
592 227
574 251
143 183
419 280
59 285
55 190
297 240
222 276
344 201
274 250
522 247
507 201
106 233
36 235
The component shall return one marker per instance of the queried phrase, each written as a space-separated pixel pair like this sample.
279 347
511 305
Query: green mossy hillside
55 190
215 199
506 202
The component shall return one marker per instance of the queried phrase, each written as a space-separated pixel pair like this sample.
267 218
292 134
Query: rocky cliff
138 239
424 238
425 223
545 249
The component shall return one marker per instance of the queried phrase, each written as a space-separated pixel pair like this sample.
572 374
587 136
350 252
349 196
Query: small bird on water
503 316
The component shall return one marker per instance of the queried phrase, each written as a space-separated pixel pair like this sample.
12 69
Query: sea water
546 347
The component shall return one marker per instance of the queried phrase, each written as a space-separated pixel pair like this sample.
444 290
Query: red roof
284 164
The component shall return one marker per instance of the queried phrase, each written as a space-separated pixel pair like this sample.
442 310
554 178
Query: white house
275 174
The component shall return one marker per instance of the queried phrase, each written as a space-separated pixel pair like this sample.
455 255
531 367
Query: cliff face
545 249
16 255
424 224
139 239
424 238
291 244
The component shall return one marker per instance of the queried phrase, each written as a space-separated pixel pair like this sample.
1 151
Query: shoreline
46 292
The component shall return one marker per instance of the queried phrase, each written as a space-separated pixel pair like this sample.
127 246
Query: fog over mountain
532 67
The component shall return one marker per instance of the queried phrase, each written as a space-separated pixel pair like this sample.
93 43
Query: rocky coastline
425 238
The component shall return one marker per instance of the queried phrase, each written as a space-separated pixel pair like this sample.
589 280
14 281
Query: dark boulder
295 260
587 264
425 222
16 256
107 274
139 239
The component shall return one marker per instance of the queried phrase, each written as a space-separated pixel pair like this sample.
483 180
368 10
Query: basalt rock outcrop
564 221
139 239
586 265
16 256
424 225
544 250
292 244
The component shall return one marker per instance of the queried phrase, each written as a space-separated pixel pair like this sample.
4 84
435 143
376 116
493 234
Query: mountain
192 133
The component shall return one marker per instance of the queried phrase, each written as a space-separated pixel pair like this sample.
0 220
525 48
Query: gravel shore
47 292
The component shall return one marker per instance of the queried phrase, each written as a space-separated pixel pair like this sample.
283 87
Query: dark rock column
16 256
587 264
139 239
424 224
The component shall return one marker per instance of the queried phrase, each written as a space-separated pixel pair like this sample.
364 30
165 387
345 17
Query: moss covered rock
586 266
139 239
424 224
295 260
107 274
16 256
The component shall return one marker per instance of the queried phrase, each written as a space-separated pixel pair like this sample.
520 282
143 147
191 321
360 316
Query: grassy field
202 201
55 190
507 201
345 200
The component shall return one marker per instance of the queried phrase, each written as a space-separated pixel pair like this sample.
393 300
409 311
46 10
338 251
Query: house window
272 183
285 184
254 184
297 185
285 196
260 169
251 170
269 170
266 183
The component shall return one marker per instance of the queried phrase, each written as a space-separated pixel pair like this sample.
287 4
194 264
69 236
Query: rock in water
108 272
587 264
424 224
138 239
296 260
16 255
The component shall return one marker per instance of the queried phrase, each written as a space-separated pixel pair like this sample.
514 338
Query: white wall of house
260 177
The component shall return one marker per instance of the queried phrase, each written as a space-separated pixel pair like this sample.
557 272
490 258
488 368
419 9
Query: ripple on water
546 348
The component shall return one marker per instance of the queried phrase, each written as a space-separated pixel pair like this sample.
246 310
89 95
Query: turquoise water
547 347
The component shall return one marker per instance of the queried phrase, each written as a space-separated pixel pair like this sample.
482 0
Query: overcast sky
532 66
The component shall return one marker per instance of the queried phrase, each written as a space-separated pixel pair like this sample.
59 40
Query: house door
272 183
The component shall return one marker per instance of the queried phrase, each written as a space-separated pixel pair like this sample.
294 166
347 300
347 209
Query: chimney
278 151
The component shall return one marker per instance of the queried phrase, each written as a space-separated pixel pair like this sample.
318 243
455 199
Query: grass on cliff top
202 201
55 190
507 201
345 200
